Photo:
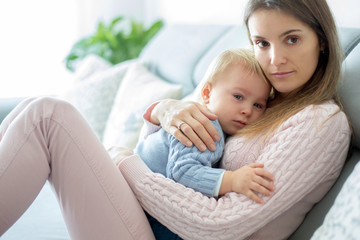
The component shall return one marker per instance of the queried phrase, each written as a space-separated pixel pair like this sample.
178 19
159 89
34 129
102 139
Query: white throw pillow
89 65
94 96
139 89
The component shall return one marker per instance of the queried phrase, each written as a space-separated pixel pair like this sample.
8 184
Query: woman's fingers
206 112
185 133
189 123
178 134
205 129
189 131
202 134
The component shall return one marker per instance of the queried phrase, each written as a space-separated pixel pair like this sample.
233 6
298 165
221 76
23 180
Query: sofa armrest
314 219
6 105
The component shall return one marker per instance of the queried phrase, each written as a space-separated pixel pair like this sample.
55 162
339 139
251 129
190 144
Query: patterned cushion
94 95
343 219
138 90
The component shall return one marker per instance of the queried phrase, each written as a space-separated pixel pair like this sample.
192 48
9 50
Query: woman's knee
48 107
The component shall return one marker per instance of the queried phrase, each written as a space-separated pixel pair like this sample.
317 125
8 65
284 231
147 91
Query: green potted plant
121 40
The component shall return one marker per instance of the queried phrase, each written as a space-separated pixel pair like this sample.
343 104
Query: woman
302 140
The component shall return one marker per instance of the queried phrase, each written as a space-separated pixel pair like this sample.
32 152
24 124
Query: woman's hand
249 180
188 122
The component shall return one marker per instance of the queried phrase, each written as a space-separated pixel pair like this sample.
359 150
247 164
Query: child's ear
205 93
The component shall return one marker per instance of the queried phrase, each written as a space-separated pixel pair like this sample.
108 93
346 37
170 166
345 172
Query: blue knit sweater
164 154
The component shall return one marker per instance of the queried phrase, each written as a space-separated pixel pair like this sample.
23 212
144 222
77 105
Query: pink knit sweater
305 155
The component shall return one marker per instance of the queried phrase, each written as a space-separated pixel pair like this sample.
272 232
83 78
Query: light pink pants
47 139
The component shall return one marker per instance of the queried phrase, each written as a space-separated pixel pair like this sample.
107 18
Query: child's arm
193 168
248 180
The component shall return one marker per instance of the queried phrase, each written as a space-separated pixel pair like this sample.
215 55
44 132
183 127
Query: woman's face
286 48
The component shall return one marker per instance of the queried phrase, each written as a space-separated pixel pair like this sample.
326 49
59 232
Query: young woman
303 141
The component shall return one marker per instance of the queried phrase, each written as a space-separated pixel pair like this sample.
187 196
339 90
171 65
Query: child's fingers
256 165
267 191
262 185
265 174
250 194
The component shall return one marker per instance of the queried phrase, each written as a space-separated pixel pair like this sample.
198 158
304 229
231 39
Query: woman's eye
238 97
292 40
261 44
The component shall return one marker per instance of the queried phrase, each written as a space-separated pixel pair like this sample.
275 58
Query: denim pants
160 231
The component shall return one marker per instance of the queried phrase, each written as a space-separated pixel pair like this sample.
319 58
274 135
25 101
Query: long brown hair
322 86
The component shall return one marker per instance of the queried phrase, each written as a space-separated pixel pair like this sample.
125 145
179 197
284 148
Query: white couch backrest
350 84
175 51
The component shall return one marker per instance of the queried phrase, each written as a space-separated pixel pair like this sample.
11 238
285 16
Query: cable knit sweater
305 155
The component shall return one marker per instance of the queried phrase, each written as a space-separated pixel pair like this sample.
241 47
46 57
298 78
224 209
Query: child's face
238 98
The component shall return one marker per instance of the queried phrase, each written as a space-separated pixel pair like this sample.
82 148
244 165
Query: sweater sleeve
194 169
148 128
308 149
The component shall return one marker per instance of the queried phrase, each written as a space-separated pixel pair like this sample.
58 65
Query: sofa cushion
235 37
94 95
350 91
89 65
175 51
139 89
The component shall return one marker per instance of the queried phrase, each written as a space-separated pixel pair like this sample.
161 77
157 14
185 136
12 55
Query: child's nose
246 110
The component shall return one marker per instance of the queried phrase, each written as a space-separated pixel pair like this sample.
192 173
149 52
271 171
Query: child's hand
252 179
117 154
249 180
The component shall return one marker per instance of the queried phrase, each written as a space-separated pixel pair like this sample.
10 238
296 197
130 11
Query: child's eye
259 106
238 97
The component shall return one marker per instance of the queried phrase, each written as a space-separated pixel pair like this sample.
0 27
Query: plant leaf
121 40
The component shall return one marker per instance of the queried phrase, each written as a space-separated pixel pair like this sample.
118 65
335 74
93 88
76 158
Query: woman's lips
281 74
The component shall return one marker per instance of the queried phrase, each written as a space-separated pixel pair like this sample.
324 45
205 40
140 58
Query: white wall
346 12
89 12
36 35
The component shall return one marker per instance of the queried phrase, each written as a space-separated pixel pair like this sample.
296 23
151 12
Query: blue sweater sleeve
194 168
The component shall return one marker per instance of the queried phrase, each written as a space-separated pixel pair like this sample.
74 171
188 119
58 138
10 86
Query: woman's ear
322 46
205 92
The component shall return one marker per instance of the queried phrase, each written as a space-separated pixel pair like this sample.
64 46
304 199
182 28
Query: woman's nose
277 56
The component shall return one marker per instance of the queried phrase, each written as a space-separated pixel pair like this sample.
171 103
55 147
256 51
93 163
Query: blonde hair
322 86
231 56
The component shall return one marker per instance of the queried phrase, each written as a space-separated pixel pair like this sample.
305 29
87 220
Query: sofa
112 99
